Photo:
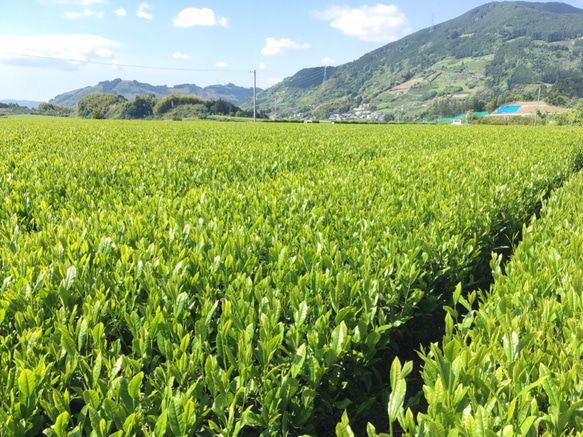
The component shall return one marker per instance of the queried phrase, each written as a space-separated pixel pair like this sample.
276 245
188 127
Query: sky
48 47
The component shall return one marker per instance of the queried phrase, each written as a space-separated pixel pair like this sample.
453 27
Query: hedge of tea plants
510 363
236 279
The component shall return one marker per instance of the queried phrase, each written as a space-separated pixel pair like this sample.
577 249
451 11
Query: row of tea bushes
237 279
511 361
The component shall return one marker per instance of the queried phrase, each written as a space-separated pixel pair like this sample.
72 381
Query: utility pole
537 102
254 96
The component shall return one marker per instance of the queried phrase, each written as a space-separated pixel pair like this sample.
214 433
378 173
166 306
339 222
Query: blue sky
191 41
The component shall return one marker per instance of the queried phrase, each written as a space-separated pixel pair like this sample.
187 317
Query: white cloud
86 13
221 65
104 53
178 55
380 23
190 17
274 47
142 8
262 66
121 12
328 61
46 51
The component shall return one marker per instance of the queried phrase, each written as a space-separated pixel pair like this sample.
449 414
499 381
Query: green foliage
221 107
309 77
100 103
571 87
338 106
184 106
112 106
132 89
510 360
97 114
506 121
237 279
398 392
140 107
533 351
523 75
495 48
169 102
187 111
52 109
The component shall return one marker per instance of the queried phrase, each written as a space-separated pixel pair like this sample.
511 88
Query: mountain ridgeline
130 89
495 51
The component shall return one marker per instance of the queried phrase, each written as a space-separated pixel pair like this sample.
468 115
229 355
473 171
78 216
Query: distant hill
27 103
131 89
494 51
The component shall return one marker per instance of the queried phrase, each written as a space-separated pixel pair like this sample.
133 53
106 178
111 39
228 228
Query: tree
477 105
97 115
491 105
52 109
337 106
101 102
167 103
221 107
141 107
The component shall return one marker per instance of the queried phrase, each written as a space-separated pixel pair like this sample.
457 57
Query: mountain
131 89
498 49
27 103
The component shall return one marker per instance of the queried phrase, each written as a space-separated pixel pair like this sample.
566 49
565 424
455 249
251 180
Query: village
362 112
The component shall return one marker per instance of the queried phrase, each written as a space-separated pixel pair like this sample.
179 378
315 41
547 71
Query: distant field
529 108
210 278
26 116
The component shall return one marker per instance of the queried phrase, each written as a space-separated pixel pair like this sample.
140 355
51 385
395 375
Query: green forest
491 54
174 106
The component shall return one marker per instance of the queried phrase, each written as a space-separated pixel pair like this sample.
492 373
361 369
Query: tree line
104 105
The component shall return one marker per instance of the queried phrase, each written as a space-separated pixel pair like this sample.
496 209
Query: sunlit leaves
516 370
206 278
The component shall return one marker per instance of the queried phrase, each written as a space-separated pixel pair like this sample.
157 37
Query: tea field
162 278
511 365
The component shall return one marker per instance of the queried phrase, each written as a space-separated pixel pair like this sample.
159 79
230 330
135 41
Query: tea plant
512 365
222 279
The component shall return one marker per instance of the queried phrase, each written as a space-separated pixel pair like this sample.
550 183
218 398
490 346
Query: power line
148 67
308 79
